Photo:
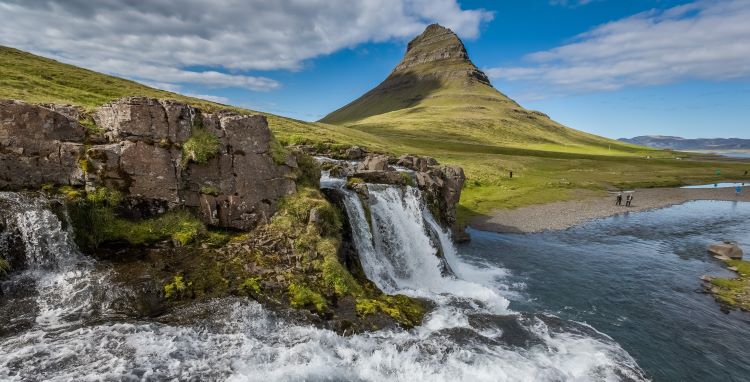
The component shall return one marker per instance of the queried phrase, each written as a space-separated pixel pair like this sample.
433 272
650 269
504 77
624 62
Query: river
610 300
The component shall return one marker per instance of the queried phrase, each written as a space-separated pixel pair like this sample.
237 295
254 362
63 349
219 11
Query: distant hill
35 79
679 143
436 92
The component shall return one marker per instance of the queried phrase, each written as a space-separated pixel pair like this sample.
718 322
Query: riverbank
562 215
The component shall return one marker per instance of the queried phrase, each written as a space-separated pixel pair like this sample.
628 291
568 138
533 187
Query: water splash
60 273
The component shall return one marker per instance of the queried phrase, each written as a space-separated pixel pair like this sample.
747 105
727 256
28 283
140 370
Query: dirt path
562 215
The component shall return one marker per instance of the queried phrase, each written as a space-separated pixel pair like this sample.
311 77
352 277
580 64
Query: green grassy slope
544 172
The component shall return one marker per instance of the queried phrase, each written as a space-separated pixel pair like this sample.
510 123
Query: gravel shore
562 215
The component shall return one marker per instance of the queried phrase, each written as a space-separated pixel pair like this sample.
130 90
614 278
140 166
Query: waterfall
470 334
61 275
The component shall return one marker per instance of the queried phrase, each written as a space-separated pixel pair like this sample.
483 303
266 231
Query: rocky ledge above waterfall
160 154
440 184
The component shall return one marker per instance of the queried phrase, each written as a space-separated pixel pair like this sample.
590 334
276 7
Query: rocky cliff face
160 154
440 184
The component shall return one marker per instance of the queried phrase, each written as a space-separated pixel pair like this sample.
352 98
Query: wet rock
727 249
384 177
416 163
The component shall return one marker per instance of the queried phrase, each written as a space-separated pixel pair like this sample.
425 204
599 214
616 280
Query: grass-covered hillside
31 78
557 168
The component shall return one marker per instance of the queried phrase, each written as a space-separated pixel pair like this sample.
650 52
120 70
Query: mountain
679 143
436 92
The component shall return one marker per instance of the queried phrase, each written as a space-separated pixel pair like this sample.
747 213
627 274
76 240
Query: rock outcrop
159 154
440 185
38 146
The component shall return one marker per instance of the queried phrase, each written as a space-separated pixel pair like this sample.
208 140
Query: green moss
216 239
210 190
735 292
4 266
84 165
251 286
201 147
405 310
335 276
95 221
354 181
303 297
70 193
176 288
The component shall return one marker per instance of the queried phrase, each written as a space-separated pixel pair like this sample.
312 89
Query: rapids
57 325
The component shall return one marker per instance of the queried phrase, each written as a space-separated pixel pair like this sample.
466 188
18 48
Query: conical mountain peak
438 52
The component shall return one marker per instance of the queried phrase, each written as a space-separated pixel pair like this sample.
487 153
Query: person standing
618 200
628 200
511 174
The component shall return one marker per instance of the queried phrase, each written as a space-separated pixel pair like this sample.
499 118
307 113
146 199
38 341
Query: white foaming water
253 345
61 275
463 338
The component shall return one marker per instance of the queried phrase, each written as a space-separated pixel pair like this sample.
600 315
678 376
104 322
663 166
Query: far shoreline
563 215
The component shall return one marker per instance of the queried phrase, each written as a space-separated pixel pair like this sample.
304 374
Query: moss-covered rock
733 293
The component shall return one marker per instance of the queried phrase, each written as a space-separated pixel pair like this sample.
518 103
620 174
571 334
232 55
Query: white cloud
215 43
707 40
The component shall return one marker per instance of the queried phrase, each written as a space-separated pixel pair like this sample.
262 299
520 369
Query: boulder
354 153
374 162
727 249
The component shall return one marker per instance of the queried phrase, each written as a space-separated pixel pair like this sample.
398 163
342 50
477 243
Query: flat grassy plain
559 164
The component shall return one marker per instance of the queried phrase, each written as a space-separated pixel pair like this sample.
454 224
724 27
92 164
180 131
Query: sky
617 68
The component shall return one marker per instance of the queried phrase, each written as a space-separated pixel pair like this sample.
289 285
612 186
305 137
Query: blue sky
611 67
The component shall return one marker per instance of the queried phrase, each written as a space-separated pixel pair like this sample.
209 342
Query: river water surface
612 300
636 278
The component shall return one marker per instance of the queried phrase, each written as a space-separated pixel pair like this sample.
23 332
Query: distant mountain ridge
679 143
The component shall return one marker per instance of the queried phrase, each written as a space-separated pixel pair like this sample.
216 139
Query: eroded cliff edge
188 205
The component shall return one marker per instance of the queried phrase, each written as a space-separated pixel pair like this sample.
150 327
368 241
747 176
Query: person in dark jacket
628 200
618 201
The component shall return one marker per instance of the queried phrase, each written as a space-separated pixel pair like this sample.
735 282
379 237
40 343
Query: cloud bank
705 40
215 43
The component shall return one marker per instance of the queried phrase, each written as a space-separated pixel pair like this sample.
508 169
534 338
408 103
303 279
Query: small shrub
201 147
278 152
176 288
308 171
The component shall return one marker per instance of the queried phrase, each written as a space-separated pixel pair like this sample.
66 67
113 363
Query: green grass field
550 162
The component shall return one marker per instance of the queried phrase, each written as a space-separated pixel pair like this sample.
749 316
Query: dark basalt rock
140 154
